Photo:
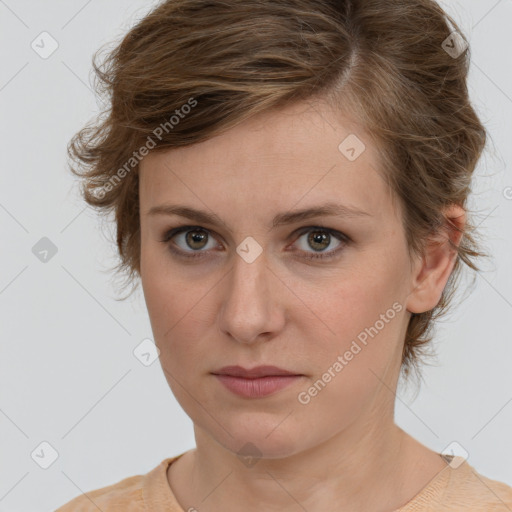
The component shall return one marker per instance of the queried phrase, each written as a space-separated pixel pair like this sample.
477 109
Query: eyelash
310 256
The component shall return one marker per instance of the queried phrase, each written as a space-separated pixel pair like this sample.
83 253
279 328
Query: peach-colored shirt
458 487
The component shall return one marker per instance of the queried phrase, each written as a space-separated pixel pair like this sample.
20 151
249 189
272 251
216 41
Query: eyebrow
281 219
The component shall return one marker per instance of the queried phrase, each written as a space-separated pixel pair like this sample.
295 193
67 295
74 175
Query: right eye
193 237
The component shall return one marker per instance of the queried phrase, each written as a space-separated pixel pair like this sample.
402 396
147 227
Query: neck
355 472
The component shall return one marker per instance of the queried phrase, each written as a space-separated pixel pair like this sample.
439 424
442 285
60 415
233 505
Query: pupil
196 236
318 238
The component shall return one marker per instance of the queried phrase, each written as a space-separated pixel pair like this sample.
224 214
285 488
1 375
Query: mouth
257 372
258 382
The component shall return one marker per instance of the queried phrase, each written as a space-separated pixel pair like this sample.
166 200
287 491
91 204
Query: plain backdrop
68 375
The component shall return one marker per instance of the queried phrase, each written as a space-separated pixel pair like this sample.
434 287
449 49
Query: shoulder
468 488
140 493
124 495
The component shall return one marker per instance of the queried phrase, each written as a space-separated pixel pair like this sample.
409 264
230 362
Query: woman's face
240 291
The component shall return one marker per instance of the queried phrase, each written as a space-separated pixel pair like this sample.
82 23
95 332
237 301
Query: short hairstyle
192 69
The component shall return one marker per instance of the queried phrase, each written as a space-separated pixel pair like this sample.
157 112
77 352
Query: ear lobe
433 269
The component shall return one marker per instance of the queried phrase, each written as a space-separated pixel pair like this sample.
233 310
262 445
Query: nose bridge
248 309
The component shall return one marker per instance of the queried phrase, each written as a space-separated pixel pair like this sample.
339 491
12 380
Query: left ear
433 269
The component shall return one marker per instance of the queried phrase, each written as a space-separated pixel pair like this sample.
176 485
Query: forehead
303 153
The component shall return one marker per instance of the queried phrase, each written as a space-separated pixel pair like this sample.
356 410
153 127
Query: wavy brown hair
381 62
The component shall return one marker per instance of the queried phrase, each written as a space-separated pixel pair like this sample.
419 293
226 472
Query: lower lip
259 387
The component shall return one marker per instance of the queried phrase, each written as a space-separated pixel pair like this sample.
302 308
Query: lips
253 373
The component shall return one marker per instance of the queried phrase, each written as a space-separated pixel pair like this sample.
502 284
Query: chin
262 441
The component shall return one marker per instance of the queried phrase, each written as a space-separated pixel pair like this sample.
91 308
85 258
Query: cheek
350 365
178 309
349 303
360 319
164 293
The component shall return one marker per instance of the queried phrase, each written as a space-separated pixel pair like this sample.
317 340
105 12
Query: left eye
319 239
197 238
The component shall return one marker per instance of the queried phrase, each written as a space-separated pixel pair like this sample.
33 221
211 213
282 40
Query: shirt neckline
156 491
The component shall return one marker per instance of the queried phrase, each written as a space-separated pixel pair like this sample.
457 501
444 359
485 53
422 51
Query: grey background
68 375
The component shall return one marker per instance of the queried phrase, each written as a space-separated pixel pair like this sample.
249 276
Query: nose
251 310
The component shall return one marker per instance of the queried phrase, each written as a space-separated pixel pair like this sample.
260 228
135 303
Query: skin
343 446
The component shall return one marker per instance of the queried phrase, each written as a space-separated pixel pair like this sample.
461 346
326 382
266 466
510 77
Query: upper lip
258 371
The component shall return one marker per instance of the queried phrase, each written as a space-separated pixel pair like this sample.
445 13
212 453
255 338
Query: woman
289 180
